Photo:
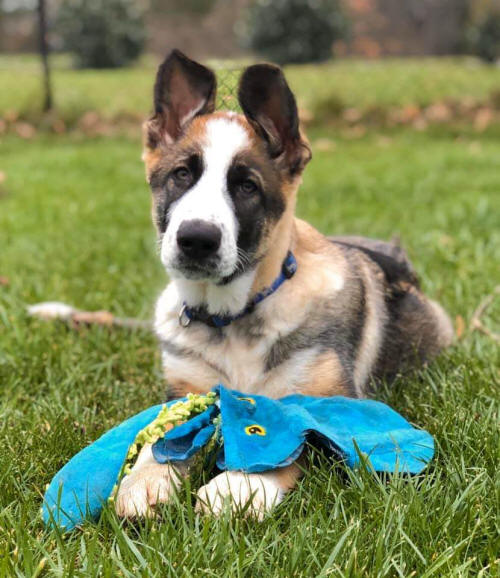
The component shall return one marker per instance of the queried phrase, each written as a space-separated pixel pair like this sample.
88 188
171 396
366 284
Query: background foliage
484 36
287 31
101 33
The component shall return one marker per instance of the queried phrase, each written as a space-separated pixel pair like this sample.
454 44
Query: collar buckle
184 319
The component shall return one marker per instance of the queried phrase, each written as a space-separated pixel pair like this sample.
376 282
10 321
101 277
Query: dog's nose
198 239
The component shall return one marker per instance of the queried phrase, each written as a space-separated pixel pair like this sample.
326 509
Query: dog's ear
269 105
183 89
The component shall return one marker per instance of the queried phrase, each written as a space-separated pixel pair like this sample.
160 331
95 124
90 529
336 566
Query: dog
259 300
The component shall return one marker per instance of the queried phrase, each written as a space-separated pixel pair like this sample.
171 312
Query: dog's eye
247 187
181 174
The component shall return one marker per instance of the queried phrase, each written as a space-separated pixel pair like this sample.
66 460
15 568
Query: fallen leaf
25 130
89 121
409 114
324 145
467 105
483 119
355 132
438 112
11 115
58 126
305 115
420 124
352 115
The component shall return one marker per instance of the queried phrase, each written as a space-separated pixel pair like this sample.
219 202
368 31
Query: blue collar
188 314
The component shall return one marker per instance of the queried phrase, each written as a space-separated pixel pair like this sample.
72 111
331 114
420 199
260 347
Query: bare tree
44 54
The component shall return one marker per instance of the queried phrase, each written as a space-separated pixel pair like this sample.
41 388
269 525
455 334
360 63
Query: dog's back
416 328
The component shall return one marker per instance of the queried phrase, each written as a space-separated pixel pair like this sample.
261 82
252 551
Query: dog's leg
149 483
258 493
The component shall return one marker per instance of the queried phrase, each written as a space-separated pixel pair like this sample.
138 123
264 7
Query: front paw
252 494
142 489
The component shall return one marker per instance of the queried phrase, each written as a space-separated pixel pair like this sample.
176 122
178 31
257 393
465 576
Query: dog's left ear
270 107
183 89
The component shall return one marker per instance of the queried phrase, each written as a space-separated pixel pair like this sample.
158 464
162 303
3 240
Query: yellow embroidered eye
249 399
255 429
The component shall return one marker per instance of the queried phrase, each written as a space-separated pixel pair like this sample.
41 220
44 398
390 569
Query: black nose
198 239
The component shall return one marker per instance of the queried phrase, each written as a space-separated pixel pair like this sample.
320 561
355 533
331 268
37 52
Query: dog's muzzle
198 240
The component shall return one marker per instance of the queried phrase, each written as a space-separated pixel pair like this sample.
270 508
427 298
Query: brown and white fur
224 189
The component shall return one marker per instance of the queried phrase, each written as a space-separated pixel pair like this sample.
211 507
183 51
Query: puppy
258 299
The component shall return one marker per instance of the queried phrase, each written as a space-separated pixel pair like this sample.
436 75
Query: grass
126 93
74 226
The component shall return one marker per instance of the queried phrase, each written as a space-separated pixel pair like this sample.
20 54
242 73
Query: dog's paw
252 494
142 489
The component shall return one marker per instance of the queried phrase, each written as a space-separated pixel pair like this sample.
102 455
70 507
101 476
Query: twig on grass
54 310
476 324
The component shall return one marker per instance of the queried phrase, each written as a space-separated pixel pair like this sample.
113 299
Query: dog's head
221 182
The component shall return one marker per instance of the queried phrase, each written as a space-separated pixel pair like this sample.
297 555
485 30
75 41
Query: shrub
485 37
327 108
102 33
287 31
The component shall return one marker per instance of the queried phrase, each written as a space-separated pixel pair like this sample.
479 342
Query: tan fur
374 324
326 371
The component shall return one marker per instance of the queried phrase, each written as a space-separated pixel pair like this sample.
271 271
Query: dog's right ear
183 89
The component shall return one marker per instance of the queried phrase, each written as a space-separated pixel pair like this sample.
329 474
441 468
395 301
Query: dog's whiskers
243 261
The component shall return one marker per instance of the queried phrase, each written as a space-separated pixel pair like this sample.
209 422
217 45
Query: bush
288 31
485 37
102 33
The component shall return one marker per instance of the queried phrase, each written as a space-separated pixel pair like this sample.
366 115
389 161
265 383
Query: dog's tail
388 255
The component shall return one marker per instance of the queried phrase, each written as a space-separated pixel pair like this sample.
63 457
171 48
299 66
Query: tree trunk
44 54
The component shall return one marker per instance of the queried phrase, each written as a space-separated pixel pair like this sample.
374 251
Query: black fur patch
168 188
391 258
255 210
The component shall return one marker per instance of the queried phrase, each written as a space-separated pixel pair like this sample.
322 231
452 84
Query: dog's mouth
212 272
208 270
197 271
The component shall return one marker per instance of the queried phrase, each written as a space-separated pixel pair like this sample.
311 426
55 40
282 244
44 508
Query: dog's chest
199 358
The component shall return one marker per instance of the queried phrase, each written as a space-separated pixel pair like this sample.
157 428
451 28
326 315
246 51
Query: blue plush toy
254 434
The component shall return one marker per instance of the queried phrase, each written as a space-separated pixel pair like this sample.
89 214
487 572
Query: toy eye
255 429
249 399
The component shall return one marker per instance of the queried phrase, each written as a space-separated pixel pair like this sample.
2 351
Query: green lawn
355 83
74 226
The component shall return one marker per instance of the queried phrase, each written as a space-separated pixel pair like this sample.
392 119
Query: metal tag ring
184 320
